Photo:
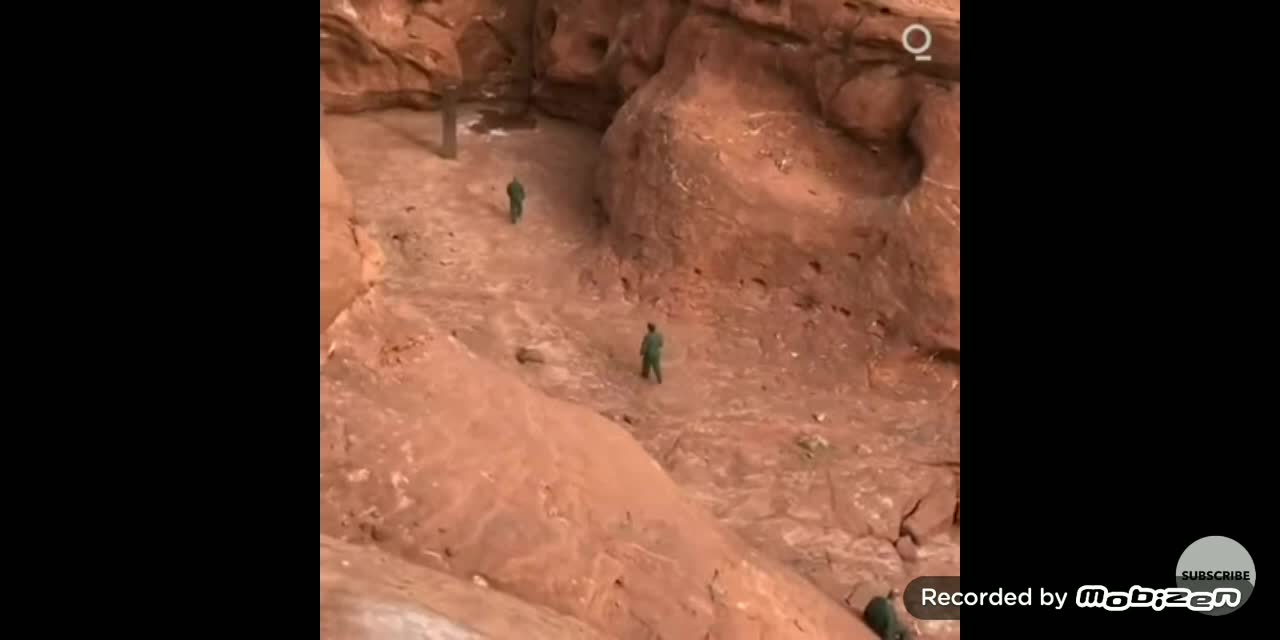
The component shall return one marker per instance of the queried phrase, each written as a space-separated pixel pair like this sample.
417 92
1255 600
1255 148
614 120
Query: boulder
718 166
907 549
529 355
813 443
729 163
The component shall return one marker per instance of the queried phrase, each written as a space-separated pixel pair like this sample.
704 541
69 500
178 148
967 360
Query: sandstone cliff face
783 144
473 473
920 271
575 51
790 146
349 262
795 145
581 58
384 53
401 53
340 269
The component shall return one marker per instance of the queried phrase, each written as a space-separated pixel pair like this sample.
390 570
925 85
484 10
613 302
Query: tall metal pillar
449 123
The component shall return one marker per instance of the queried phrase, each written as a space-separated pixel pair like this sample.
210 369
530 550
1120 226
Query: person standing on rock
651 354
515 191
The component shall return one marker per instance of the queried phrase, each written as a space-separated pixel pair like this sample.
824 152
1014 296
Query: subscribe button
934 598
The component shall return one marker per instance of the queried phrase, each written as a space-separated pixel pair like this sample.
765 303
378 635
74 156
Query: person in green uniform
651 354
515 191
880 616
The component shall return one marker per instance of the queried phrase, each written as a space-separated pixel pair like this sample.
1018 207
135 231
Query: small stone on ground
907 549
813 443
526 355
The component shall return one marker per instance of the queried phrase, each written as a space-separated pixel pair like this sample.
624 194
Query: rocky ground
366 593
774 182
827 458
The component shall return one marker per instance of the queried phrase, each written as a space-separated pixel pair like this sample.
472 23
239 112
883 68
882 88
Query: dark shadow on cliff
948 356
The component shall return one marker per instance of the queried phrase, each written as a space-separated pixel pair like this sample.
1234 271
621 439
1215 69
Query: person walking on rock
651 354
515 191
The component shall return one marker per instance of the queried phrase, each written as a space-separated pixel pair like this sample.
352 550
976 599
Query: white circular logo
906 39
1220 567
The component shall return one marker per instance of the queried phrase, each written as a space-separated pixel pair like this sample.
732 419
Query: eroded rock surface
798 149
368 595
920 272
934 514
385 53
590 55
346 268
757 155
718 90
475 474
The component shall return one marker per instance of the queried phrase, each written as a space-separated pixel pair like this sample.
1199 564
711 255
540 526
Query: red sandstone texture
347 265
369 595
863 138
455 464
800 147
920 272
791 149
384 53
783 423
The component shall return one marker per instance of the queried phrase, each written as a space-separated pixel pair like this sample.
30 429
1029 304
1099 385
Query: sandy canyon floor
797 428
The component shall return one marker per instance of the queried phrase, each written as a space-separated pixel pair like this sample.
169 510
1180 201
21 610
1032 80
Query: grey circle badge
1216 562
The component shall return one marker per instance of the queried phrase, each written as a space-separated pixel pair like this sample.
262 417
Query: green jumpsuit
651 353
881 617
515 191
